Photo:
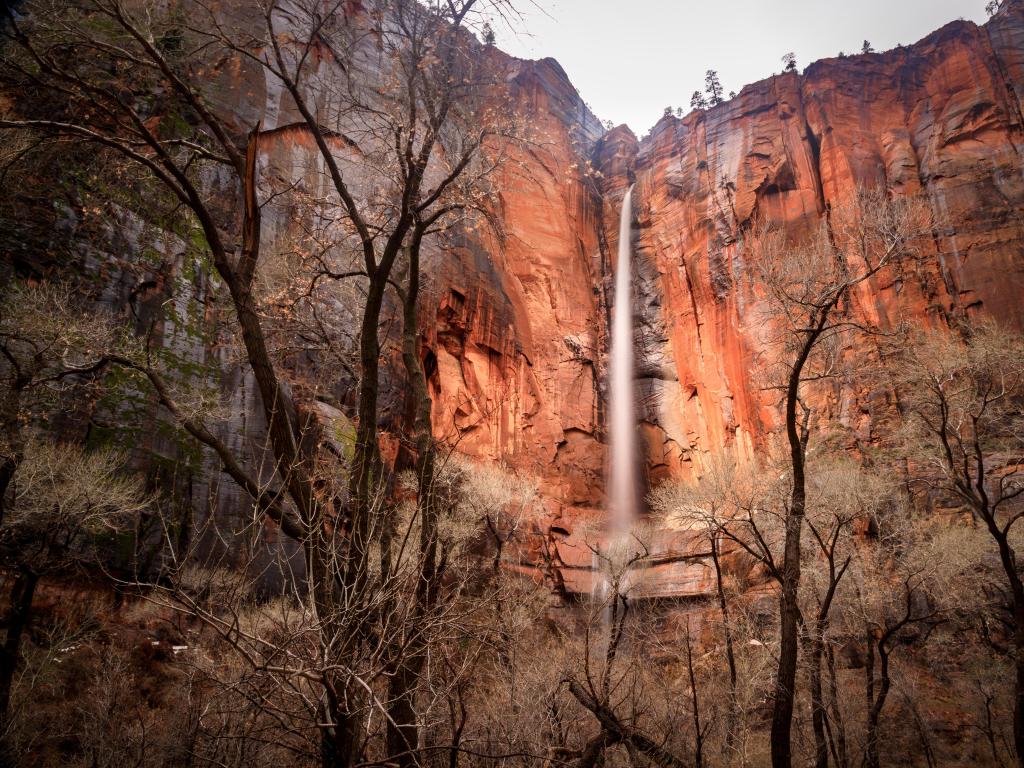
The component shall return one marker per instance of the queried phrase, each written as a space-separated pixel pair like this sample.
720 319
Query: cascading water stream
622 484
611 564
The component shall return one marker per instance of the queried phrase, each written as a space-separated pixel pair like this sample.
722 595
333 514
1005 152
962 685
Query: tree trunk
842 758
403 725
698 750
1018 703
926 747
366 464
869 675
593 753
785 680
875 713
622 732
11 425
1009 562
279 407
22 592
723 606
458 724
789 611
8 465
403 728
818 715
339 745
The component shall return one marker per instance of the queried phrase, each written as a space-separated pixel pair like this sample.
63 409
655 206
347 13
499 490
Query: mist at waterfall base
622 490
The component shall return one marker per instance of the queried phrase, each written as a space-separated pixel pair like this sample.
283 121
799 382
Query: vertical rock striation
515 320
941 118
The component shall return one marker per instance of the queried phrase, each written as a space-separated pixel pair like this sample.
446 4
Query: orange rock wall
941 118
520 337
515 321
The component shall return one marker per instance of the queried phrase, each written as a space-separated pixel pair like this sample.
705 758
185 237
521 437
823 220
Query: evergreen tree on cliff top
713 88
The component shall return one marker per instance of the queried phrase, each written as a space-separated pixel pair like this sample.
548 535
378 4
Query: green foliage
713 88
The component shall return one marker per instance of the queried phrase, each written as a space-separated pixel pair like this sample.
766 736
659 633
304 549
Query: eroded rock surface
515 321
941 118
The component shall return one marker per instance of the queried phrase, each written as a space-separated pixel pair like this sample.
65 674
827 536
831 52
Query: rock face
511 320
515 324
515 327
941 118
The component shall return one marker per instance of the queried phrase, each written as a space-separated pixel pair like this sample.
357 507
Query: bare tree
49 348
424 133
747 513
961 399
54 496
609 685
810 286
61 500
278 643
905 581
842 498
707 508
699 729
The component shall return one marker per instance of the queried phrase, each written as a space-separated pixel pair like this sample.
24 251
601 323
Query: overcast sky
632 58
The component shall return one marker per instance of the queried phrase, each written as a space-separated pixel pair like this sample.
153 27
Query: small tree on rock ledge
713 88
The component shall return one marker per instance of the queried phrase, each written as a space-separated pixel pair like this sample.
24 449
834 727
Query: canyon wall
941 118
512 316
515 319
515 322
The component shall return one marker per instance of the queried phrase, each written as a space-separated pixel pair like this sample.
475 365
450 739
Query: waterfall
622 485
611 565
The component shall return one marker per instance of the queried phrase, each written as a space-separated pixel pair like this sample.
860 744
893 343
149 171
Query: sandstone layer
515 321
941 119
515 325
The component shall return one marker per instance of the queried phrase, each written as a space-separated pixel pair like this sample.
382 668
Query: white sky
632 58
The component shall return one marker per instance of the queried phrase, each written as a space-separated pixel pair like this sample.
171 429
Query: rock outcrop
515 320
515 326
941 118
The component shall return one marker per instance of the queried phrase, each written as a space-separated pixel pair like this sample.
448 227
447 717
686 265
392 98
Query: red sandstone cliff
519 328
514 321
511 317
941 118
